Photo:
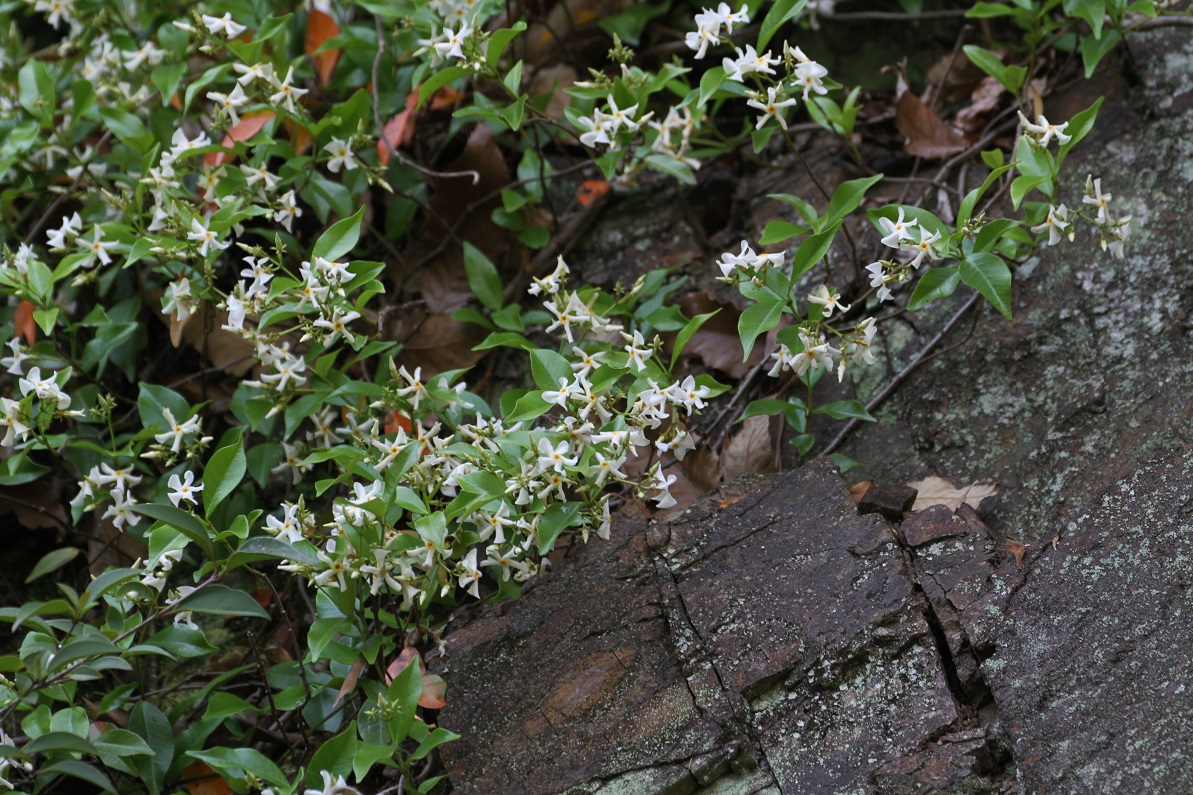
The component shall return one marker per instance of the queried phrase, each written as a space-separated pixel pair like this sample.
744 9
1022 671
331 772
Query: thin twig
903 374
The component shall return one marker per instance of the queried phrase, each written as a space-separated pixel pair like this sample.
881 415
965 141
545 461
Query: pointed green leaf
758 319
934 284
991 277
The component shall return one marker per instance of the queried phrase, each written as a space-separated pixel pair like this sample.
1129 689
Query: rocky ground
773 640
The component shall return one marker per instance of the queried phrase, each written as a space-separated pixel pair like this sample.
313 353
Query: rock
776 641
891 501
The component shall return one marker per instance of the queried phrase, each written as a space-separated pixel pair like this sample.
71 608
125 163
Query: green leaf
483 277
221 600
965 211
806 210
403 693
1094 50
153 398
182 641
433 740
223 474
1010 76
232 763
1079 126
151 725
935 283
812 250
991 277
498 41
36 90
758 319
780 13
671 166
482 482
441 79
336 755
778 231
844 463
548 368
765 407
122 742
82 771
1022 184
1092 11
710 81
57 742
529 406
268 548
846 199
992 232
685 334
557 517
52 561
185 522
340 238
844 410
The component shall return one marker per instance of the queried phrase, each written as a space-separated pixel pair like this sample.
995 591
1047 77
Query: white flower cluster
906 236
709 25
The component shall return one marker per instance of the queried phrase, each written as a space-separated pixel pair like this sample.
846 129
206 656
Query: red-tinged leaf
249 126
433 690
400 662
394 421
264 596
300 137
399 130
590 190
350 680
445 98
23 324
200 779
320 29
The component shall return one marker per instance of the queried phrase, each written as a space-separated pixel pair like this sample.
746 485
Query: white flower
336 325
662 487
258 71
260 175
202 234
453 43
71 227
688 395
13 363
748 62
1055 224
1043 131
96 247
183 488
470 577
177 430
808 73
341 156
771 107
1096 198
230 102
13 420
828 301
920 249
896 231
288 210
598 129
554 457
120 511
286 93
45 388
553 283
637 351
178 299
223 25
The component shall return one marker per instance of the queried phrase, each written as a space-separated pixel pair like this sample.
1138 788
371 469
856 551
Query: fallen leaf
399 131
435 342
1016 549
703 467
395 422
434 689
858 490
925 134
350 680
751 450
321 28
23 324
590 189
199 779
938 491
445 98
250 125
985 100
717 342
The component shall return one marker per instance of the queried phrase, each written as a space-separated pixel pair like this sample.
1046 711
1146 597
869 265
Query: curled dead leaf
925 134
1016 549
938 491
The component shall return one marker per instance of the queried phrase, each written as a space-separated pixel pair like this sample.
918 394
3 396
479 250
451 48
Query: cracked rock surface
773 641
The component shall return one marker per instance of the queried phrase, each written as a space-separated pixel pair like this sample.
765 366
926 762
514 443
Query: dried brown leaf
925 134
985 100
1017 549
938 491
858 490
350 680
717 343
34 505
435 342
751 450
703 467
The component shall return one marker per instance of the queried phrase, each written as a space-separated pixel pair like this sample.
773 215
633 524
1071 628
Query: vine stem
903 374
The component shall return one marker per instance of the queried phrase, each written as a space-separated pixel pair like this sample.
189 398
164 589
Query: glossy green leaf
340 238
483 277
221 600
991 277
759 318
685 334
933 284
223 473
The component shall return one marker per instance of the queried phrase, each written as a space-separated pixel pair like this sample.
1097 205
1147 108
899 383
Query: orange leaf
320 29
23 324
433 689
350 680
200 779
590 189
262 596
249 126
399 130
445 98
395 421
300 137
400 662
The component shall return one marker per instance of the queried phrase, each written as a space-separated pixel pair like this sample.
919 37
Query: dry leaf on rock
925 134
717 342
938 491
751 450
858 490
1017 549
